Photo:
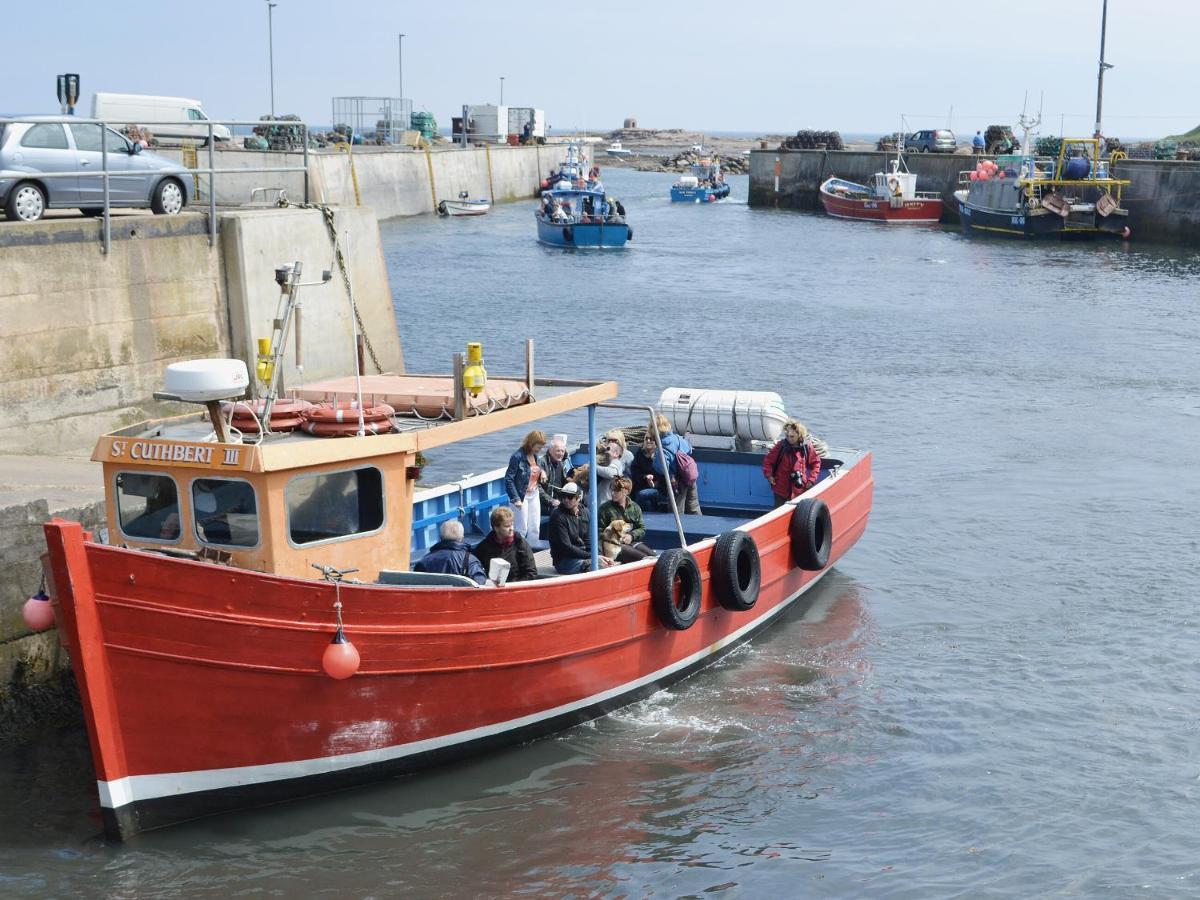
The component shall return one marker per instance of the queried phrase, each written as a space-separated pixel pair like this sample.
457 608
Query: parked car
939 140
31 148
142 109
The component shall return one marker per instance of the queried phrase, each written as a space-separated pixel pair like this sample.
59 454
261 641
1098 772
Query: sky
771 68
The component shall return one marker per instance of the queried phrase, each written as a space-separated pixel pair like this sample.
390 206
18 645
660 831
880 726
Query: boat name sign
206 455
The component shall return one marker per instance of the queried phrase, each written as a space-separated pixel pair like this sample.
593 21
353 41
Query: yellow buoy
474 374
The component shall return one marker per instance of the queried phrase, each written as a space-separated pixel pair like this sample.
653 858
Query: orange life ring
346 412
894 183
346 429
286 414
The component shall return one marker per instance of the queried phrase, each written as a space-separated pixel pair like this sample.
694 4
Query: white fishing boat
615 149
463 206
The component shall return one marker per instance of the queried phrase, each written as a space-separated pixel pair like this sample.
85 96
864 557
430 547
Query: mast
1103 66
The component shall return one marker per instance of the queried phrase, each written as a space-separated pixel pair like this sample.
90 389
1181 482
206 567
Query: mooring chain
327 211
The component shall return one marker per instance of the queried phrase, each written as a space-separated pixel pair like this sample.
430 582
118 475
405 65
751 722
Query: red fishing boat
891 197
227 656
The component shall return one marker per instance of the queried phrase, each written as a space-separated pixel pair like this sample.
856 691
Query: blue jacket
671 443
453 558
516 478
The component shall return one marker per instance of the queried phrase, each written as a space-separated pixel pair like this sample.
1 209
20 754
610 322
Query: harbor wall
391 181
87 336
1163 197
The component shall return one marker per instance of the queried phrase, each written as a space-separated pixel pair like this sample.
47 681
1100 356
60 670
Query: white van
144 110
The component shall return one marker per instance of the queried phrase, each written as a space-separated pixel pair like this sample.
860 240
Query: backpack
686 468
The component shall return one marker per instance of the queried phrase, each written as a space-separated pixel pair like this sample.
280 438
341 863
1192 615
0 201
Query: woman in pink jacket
792 466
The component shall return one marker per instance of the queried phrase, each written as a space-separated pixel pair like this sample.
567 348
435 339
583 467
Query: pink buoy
1126 233
38 612
974 176
341 658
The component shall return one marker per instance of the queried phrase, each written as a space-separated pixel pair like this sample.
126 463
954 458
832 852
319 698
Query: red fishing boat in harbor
891 197
251 631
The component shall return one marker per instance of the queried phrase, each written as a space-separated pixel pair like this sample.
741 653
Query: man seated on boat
556 468
558 211
568 533
452 556
504 543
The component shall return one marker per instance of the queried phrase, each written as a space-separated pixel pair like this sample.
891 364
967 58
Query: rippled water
993 694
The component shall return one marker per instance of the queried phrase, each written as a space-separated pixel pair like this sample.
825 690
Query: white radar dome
202 380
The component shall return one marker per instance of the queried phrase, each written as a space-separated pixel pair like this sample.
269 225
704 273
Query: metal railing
210 170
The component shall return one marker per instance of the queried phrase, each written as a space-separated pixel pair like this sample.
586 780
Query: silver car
33 147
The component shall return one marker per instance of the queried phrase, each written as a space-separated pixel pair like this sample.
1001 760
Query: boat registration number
1018 220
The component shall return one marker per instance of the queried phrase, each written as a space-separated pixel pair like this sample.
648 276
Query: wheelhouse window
147 506
225 511
334 505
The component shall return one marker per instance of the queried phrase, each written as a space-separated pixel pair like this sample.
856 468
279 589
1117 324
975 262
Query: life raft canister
736 571
675 589
811 533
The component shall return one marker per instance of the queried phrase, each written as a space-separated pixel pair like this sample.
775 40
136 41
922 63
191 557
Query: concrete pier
88 336
1163 197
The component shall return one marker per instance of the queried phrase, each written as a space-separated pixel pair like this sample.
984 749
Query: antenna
1028 123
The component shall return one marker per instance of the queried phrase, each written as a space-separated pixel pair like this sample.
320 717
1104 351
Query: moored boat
702 183
464 206
615 149
1073 195
892 197
227 656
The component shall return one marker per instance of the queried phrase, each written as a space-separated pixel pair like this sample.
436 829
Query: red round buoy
37 612
545 184
1126 233
341 658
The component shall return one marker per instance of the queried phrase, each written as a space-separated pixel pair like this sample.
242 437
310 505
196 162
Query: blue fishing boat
581 217
570 172
703 183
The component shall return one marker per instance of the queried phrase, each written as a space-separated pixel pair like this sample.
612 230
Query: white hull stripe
123 791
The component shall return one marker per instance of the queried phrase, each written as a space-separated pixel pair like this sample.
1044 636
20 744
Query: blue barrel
1078 167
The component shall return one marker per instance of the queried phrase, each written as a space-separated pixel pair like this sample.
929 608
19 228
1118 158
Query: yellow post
491 189
432 186
347 148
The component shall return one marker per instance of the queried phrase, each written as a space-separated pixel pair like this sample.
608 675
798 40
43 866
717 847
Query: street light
400 43
271 49
501 90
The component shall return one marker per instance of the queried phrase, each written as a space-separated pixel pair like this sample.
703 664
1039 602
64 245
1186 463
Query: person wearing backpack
792 466
687 497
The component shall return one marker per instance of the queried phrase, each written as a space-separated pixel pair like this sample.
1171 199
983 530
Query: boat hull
606 235
911 212
464 207
240 712
698 194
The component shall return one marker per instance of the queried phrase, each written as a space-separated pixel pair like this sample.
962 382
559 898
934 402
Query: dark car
30 148
938 140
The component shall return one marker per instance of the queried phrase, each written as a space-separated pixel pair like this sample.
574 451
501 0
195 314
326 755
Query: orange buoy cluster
341 419
286 415
985 170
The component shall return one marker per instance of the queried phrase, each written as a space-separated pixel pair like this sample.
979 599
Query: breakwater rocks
731 165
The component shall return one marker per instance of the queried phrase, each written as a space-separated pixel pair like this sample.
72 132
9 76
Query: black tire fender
629 236
568 234
736 571
676 566
811 532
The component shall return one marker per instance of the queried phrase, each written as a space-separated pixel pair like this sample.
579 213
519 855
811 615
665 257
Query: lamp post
271 49
501 90
1103 66
400 45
